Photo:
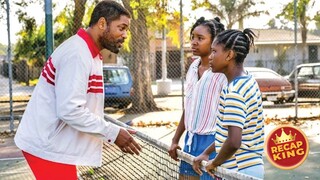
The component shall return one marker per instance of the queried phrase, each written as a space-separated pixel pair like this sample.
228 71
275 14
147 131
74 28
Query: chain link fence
156 58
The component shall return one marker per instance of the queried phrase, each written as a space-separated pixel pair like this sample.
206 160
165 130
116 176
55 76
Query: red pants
47 170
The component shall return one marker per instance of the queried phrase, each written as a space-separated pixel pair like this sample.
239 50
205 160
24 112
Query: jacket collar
91 45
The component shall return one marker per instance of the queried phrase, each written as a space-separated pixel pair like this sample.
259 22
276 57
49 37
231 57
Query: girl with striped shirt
203 88
240 123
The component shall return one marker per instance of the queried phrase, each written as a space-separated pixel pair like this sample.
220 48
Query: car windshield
115 76
305 71
263 74
317 70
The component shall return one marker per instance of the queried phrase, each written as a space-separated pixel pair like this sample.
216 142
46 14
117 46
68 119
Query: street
308 121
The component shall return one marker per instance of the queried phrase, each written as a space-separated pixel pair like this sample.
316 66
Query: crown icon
284 137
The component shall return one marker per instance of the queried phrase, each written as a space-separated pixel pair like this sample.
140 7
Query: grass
32 82
14 98
19 98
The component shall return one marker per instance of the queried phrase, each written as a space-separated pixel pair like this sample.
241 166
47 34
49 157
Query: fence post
10 66
295 60
182 54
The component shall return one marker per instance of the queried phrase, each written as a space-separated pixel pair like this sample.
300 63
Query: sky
32 10
38 12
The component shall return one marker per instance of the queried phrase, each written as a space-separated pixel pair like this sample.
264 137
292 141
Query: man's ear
230 55
102 23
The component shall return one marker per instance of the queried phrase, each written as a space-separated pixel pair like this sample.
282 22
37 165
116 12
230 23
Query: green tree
149 16
31 46
3 9
31 43
3 49
232 11
145 20
281 58
303 6
63 25
272 24
317 20
79 10
139 49
80 14
259 63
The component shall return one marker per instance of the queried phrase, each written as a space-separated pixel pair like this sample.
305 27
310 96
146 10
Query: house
275 49
173 56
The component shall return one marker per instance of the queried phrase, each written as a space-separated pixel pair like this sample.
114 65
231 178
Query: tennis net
153 163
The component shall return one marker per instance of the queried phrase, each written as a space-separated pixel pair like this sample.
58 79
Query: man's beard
110 43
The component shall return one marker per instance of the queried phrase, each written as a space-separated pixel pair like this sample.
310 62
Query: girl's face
201 41
219 58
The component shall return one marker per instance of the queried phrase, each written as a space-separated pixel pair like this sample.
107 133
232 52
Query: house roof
282 36
264 37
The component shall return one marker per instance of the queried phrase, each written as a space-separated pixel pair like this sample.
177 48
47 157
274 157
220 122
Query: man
63 124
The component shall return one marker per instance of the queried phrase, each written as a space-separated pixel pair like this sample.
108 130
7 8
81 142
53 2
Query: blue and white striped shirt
241 105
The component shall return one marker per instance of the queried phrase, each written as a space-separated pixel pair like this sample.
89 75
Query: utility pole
49 31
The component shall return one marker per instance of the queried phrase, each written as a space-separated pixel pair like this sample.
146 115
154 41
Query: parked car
117 86
308 76
272 85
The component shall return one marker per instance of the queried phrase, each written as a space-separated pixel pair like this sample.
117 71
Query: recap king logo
286 147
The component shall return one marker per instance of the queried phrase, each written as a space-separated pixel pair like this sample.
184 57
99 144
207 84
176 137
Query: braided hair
214 26
238 41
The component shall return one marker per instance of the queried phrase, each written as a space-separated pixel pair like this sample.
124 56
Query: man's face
115 34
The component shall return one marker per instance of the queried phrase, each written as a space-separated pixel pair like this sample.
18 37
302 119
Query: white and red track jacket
63 121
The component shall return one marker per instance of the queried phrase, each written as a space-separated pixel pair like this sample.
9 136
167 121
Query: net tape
153 163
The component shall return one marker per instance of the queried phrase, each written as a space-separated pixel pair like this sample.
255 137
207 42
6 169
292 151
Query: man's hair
108 9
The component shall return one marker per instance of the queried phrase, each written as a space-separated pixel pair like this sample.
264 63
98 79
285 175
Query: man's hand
126 142
197 163
173 151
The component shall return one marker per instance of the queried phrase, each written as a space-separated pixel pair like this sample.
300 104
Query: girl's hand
211 168
197 162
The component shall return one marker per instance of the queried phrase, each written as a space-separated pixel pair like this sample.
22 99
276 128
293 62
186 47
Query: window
305 71
115 76
317 70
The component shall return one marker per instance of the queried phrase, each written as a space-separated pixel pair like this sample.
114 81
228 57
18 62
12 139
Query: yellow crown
284 137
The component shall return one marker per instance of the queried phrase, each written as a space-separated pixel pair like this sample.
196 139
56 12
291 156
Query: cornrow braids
238 41
214 26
